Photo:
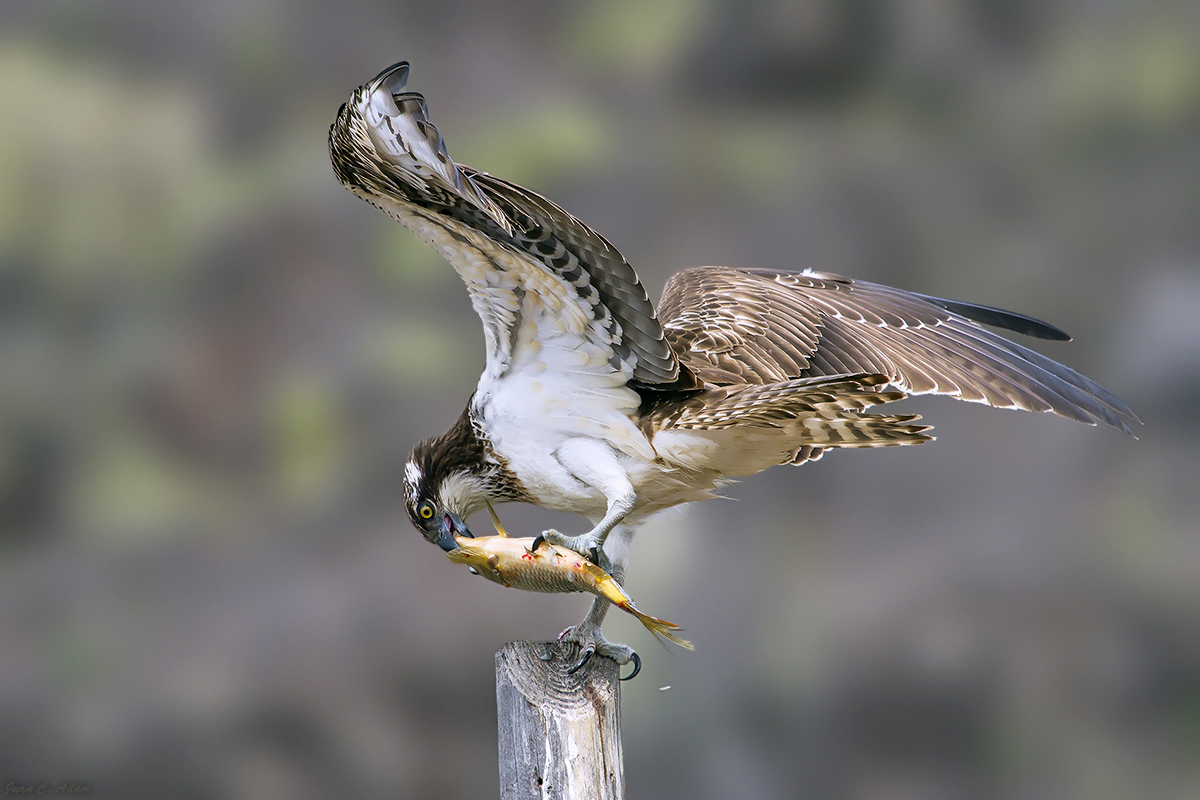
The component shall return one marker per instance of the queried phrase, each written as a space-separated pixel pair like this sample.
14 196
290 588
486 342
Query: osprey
596 402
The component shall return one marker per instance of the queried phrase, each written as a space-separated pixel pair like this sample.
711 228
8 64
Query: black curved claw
637 667
594 555
587 654
537 542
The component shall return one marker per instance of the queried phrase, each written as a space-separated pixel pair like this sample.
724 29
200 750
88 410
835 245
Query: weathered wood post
560 734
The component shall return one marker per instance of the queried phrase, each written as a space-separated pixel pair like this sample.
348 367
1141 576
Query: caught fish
509 561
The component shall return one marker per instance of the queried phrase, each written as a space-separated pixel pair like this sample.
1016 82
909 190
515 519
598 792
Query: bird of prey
596 402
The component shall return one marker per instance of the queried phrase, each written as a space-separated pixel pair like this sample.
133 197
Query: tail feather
812 412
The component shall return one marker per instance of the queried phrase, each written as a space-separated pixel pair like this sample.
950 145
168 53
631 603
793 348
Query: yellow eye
426 511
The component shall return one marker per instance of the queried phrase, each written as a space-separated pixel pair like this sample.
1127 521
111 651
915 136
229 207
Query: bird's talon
592 643
587 655
637 666
537 542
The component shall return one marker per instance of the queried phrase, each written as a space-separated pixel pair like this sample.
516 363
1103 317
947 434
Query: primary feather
592 400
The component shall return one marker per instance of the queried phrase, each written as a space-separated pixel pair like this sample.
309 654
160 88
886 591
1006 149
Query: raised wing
534 272
732 326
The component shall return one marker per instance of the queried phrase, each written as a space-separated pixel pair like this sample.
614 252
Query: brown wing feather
385 149
571 249
733 326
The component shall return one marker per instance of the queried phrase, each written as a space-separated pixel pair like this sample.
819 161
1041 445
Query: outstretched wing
553 294
732 326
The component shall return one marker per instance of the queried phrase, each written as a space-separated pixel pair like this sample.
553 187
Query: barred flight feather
385 150
735 326
592 396
820 411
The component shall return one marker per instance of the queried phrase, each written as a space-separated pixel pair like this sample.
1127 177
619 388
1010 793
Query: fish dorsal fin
496 521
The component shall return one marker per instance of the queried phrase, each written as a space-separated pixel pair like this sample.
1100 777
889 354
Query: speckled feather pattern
591 396
733 326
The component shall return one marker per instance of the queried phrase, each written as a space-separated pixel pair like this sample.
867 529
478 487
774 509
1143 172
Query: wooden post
560 734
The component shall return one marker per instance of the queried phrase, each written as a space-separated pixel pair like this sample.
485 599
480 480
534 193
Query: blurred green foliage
213 362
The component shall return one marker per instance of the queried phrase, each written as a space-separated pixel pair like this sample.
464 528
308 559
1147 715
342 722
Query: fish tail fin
660 627
610 590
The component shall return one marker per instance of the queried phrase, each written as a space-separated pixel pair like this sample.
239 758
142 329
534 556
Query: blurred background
213 362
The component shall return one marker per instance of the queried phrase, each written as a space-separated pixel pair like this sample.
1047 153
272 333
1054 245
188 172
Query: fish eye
425 510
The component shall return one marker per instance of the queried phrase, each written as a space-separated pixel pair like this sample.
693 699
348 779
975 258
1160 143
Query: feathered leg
597 465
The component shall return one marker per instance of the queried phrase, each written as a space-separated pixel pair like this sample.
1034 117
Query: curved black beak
452 525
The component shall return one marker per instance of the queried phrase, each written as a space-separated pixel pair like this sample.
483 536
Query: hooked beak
452 525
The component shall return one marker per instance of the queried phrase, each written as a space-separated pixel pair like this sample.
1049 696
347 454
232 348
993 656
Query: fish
511 561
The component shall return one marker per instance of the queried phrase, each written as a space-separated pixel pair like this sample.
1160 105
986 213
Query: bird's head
439 495
449 477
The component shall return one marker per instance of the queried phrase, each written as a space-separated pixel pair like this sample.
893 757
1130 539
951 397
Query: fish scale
551 568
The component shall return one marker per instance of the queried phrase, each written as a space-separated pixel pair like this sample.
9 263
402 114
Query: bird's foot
588 545
592 642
